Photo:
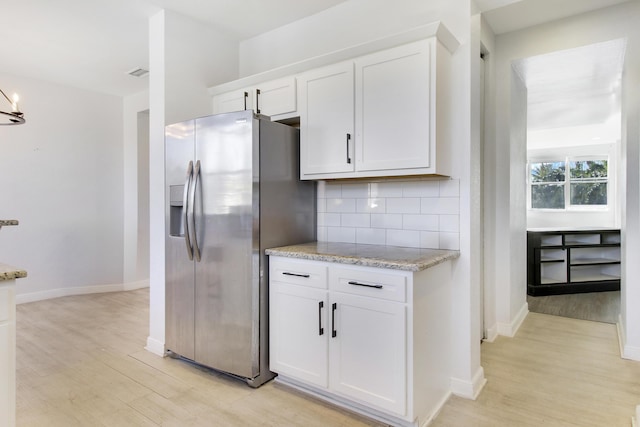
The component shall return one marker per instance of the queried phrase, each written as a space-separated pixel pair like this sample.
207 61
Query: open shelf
573 261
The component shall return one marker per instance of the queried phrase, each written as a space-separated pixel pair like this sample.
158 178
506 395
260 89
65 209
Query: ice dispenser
176 224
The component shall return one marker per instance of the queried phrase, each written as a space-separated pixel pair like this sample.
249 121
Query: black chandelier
15 117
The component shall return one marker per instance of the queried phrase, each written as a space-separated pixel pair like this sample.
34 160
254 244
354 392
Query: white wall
185 57
61 175
136 244
602 25
359 21
488 190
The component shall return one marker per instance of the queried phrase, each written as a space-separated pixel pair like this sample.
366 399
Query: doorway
573 142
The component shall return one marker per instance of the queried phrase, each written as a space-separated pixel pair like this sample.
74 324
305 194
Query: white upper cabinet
236 100
273 98
394 109
399 113
327 120
376 109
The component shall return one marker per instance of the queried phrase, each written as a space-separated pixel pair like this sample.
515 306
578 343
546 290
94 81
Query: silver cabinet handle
246 95
257 101
185 210
365 285
196 178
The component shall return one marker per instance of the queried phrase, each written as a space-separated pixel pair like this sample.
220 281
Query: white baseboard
492 333
154 346
510 329
469 389
81 290
627 351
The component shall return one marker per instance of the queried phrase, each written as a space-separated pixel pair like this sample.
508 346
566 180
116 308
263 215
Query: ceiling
574 87
92 44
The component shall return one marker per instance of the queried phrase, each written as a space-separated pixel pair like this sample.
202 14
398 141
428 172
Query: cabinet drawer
368 283
298 272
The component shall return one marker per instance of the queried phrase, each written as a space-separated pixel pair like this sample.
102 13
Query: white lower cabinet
7 353
351 335
367 355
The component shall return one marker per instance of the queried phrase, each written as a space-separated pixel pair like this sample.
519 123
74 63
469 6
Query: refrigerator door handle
185 210
194 238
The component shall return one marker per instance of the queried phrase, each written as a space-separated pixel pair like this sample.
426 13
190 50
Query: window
585 185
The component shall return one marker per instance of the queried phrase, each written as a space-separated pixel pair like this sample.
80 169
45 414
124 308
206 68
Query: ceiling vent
138 72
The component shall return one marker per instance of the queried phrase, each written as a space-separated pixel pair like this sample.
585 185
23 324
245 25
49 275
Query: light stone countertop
381 256
8 272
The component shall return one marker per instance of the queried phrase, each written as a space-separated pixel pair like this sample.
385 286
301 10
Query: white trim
626 351
81 290
491 333
348 404
510 329
154 346
469 389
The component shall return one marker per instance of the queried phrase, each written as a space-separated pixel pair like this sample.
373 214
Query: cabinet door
276 97
395 108
326 120
237 100
368 353
298 333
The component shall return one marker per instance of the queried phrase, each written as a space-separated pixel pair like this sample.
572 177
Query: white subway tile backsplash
450 188
358 220
420 222
332 220
341 205
430 239
440 206
450 241
321 205
393 221
385 189
450 223
406 238
320 187
371 236
322 234
418 213
333 190
420 189
371 205
341 234
409 205
354 191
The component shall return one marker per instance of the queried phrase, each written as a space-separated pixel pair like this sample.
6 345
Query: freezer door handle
192 204
185 210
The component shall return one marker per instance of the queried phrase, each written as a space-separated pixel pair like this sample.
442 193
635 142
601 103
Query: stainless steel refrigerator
232 190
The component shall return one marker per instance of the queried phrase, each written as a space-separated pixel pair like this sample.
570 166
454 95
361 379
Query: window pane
547 172
588 169
547 196
589 193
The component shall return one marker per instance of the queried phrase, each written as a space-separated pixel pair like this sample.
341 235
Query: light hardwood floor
81 362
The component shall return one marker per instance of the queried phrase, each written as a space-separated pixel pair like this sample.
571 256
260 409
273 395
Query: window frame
567 159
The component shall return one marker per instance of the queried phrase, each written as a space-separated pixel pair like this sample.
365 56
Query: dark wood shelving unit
572 261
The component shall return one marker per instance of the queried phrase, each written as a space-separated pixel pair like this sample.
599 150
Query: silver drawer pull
366 285
286 273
